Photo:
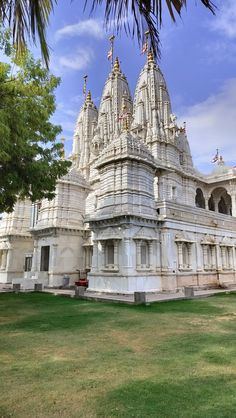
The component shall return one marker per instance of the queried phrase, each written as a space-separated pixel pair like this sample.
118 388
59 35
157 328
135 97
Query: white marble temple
132 212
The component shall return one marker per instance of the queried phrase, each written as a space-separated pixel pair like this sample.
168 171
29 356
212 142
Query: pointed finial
116 67
150 57
89 99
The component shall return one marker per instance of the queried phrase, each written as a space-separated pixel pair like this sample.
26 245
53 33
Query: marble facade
132 212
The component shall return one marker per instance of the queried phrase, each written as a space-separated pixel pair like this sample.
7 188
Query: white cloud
218 51
90 27
225 19
79 60
211 124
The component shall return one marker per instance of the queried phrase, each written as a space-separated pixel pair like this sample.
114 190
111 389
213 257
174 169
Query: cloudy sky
198 61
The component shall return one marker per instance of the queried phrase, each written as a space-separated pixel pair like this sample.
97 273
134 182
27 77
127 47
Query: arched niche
199 199
221 200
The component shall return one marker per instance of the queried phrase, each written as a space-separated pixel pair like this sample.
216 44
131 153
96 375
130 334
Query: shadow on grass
43 312
196 397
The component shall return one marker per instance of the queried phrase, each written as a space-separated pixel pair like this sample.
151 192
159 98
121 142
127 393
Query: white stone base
28 284
124 285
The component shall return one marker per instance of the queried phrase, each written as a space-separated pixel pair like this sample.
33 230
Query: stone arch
221 201
200 199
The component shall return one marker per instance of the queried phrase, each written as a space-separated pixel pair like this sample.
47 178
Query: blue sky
198 61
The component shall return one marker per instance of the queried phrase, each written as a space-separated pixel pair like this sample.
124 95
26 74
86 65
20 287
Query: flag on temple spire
111 50
85 86
109 54
216 157
144 48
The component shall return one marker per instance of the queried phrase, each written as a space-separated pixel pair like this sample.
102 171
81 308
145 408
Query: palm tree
29 18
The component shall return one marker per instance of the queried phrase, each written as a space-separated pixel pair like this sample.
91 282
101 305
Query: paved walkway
129 299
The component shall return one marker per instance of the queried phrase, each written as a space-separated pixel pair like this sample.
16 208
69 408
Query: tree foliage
30 161
29 18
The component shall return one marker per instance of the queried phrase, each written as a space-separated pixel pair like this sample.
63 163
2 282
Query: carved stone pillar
116 261
213 257
218 257
180 255
150 254
53 258
35 258
223 255
138 254
230 253
8 256
205 256
233 199
94 266
189 249
103 255
4 260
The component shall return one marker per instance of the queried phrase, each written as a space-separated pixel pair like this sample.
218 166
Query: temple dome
123 147
74 176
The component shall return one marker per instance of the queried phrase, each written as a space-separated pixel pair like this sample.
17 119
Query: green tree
29 18
30 161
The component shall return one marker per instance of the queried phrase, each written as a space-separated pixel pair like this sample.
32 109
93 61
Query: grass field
63 357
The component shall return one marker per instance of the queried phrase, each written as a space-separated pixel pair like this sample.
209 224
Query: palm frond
145 15
28 19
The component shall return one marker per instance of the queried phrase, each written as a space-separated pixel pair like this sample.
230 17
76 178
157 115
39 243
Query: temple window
28 262
226 257
220 201
110 254
44 263
184 250
143 254
35 213
173 192
209 256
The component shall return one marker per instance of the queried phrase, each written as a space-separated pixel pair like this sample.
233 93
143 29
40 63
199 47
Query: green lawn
63 357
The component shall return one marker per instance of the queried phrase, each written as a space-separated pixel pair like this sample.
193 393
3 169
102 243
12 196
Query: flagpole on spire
85 86
110 54
215 159
145 45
